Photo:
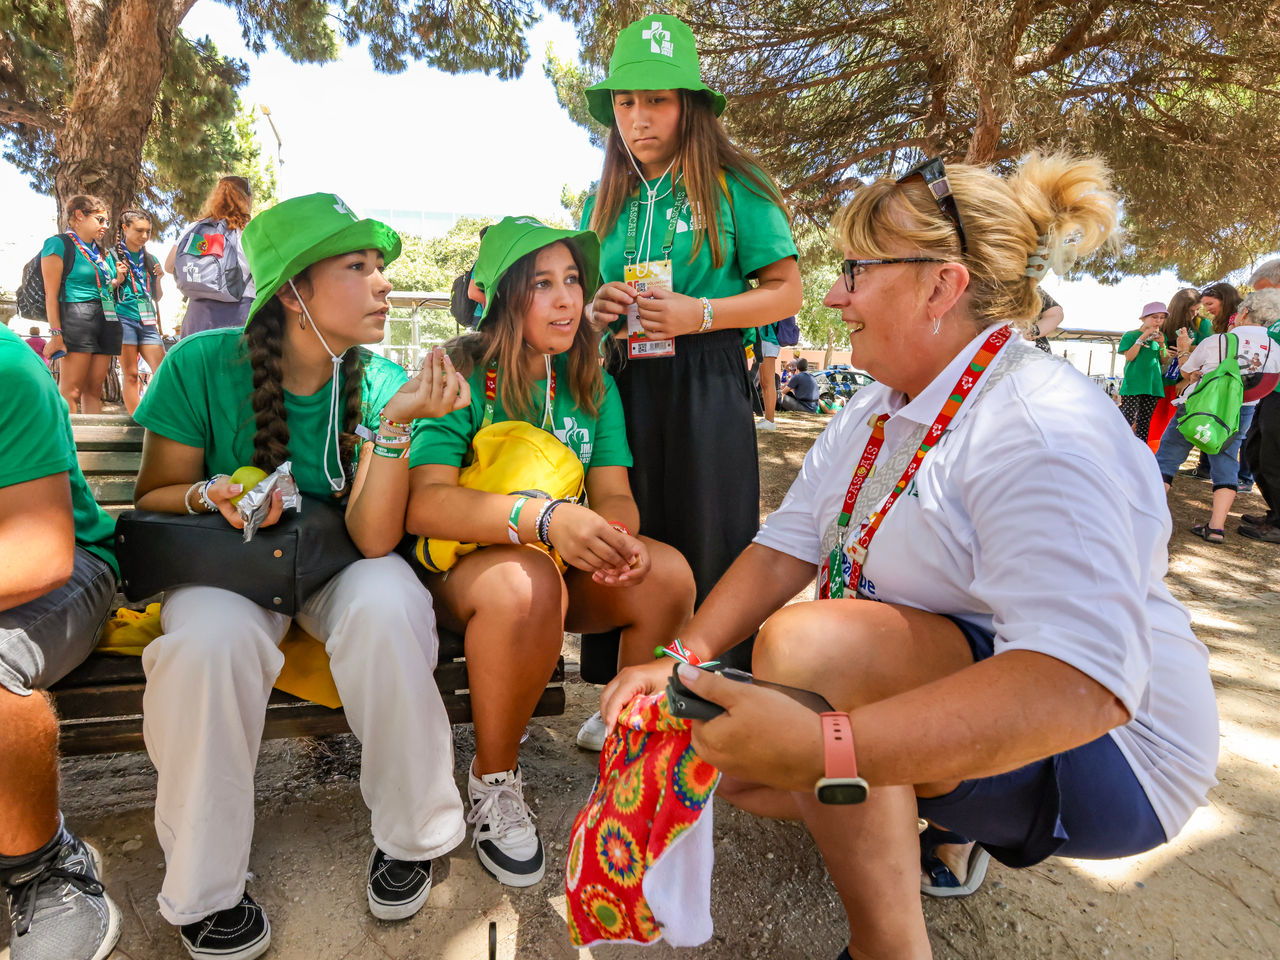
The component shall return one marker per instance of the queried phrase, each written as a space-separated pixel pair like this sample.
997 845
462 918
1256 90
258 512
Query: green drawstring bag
1210 415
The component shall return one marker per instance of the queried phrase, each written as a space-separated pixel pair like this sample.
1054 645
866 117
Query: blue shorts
140 334
1083 803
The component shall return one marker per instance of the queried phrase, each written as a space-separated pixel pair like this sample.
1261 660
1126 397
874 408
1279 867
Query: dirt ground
1213 892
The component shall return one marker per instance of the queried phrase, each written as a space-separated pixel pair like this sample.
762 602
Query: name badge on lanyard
646 275
139 279
100 269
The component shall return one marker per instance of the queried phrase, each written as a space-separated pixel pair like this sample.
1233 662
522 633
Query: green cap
655 53
284 240
514 237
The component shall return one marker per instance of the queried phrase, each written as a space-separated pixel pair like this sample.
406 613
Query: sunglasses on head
934 175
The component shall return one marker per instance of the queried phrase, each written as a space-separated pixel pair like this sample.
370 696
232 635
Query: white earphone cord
331 433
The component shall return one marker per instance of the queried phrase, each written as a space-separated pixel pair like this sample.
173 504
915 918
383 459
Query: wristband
54 333
678 651
840 783
544 528
513 520
706 315
390 453
399 440
186 498
204 491
537 522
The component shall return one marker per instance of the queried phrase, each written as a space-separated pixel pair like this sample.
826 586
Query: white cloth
1038 516
1257 354
677 885
208 679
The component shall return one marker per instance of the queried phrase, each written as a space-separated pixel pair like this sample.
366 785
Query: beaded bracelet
544 528
204 491
394 424
706 315
513 520
537 521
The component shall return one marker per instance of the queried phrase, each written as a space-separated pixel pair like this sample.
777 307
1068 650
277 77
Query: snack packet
256 504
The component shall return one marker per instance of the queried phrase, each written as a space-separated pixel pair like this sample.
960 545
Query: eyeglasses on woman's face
852 268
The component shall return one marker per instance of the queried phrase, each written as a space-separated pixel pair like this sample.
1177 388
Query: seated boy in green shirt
57 581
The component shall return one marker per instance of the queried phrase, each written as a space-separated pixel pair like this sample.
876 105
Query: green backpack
1210 415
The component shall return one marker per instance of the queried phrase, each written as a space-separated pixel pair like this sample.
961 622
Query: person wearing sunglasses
80 281
998 647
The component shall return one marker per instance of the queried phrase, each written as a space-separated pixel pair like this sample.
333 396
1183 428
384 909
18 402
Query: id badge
147 311
647 275
109 308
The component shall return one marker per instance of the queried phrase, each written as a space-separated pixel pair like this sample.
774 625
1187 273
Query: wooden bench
100 702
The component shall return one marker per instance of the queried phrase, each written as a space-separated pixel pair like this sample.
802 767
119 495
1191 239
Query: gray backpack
207 264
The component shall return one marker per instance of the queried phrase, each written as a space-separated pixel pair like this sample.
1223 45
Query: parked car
840 381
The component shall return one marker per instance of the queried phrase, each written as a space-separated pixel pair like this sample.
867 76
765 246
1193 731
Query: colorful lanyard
93 258
139 275
491 392
964 386
633 216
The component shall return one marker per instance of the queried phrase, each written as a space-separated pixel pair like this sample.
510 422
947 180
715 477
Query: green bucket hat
284 240
654 53
514 237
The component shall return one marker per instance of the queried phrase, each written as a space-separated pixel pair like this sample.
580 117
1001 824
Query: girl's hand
585 540
1184 340
438 389
610 303
122 272
222 490
53 346
664 314
634 572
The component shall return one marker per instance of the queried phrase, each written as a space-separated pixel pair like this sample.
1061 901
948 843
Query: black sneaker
237 933
1263 532
397 888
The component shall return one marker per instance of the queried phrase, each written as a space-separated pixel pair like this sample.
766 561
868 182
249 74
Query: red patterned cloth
639 866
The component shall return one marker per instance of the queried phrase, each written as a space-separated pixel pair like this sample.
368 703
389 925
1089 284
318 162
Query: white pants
208 680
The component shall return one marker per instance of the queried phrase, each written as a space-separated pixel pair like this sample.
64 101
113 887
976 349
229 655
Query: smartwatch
841 785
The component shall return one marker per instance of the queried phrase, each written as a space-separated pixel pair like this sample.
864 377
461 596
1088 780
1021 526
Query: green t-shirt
201 396
1144 374
81 286
35 435
755 234
131 289
599 441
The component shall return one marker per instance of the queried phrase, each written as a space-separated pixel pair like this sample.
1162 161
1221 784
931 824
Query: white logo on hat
659 39
343 208
531 221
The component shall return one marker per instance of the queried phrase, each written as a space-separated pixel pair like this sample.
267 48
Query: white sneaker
505 838
763 424
591 733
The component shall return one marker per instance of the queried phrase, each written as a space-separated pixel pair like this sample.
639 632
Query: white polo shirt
1039 516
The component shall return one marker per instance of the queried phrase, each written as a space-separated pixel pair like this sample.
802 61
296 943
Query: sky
424 140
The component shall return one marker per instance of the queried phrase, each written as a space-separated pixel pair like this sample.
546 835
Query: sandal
937 879
1207 533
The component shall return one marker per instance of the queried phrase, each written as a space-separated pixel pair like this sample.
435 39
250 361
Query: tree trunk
831 343
120 64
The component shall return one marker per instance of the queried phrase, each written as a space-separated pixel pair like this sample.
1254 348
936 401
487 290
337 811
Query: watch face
842 790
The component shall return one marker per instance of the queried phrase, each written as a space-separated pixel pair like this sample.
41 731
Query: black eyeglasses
852 268
934 175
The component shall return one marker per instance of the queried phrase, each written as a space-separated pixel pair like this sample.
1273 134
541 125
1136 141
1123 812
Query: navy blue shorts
1083 803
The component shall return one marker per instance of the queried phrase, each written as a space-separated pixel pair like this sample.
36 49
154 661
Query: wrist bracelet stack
706 315
543 522
392 439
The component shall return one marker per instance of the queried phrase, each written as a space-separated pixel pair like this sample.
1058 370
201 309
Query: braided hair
265 336
127 218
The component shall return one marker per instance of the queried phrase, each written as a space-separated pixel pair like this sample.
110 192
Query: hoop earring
937 326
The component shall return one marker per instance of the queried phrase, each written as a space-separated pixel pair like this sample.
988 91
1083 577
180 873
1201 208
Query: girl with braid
296 385
136 303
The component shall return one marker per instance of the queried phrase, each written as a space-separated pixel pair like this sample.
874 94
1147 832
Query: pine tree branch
1073 41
